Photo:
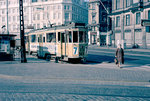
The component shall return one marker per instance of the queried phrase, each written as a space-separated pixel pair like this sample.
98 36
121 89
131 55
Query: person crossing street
119 55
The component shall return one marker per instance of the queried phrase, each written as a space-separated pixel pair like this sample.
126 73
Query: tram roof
9 35
63 26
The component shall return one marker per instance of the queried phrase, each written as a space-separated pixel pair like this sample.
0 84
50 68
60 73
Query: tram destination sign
145 22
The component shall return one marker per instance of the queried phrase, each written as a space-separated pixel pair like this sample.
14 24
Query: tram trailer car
66 42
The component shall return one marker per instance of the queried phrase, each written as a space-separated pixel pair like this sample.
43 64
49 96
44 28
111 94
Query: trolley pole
23 54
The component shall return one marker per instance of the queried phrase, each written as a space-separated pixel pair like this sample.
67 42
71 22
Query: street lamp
107 18
7 17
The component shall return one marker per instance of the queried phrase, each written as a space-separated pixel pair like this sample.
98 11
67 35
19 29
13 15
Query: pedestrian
119 55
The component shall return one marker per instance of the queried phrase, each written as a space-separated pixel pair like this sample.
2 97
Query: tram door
28 44
63 43
40 53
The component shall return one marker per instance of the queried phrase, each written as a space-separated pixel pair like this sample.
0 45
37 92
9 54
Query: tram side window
43 39
70 37
59 37
33 38
81 36
75 36
51 37
63 37
40 38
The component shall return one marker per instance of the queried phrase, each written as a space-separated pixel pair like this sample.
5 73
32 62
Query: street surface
99 79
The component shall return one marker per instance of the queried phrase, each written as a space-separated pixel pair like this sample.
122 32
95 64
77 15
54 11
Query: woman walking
120 55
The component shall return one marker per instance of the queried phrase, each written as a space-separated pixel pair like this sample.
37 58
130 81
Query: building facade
42 13
99 23
126 23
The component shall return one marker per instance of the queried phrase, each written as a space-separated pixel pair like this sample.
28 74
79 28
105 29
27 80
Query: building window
68 7
67 16
14 18
14 27
47 15
9 18
38 26
93 6
38 17
118 21
59 15
93 18
59 7
65 7
54 7
3 11
136 1
128 20
117 4
34 0
13 10
25 9
3 19
54 16
138 18
128 3
33 17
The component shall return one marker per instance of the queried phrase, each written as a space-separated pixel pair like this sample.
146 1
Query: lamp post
23 54
107 18
7 16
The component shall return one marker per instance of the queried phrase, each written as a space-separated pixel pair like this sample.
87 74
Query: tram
64 42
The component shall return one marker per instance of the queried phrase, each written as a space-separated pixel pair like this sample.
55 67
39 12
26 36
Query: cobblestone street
63 97
97 80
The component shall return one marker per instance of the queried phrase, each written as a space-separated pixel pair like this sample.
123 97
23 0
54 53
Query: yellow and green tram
63 42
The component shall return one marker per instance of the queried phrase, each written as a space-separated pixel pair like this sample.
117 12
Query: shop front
92 38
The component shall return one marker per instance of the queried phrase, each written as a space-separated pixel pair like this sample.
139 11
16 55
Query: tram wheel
48 57
83 60
38 56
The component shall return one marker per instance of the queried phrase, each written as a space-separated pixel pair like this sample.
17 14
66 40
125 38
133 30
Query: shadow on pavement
97 59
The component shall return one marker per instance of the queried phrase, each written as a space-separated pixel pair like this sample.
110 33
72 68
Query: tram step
64 59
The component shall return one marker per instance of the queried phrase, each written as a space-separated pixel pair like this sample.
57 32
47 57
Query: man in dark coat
120 55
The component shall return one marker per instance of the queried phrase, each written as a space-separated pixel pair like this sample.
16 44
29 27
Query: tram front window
51 37
81 37
61 37
33 38
70 37
75 36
